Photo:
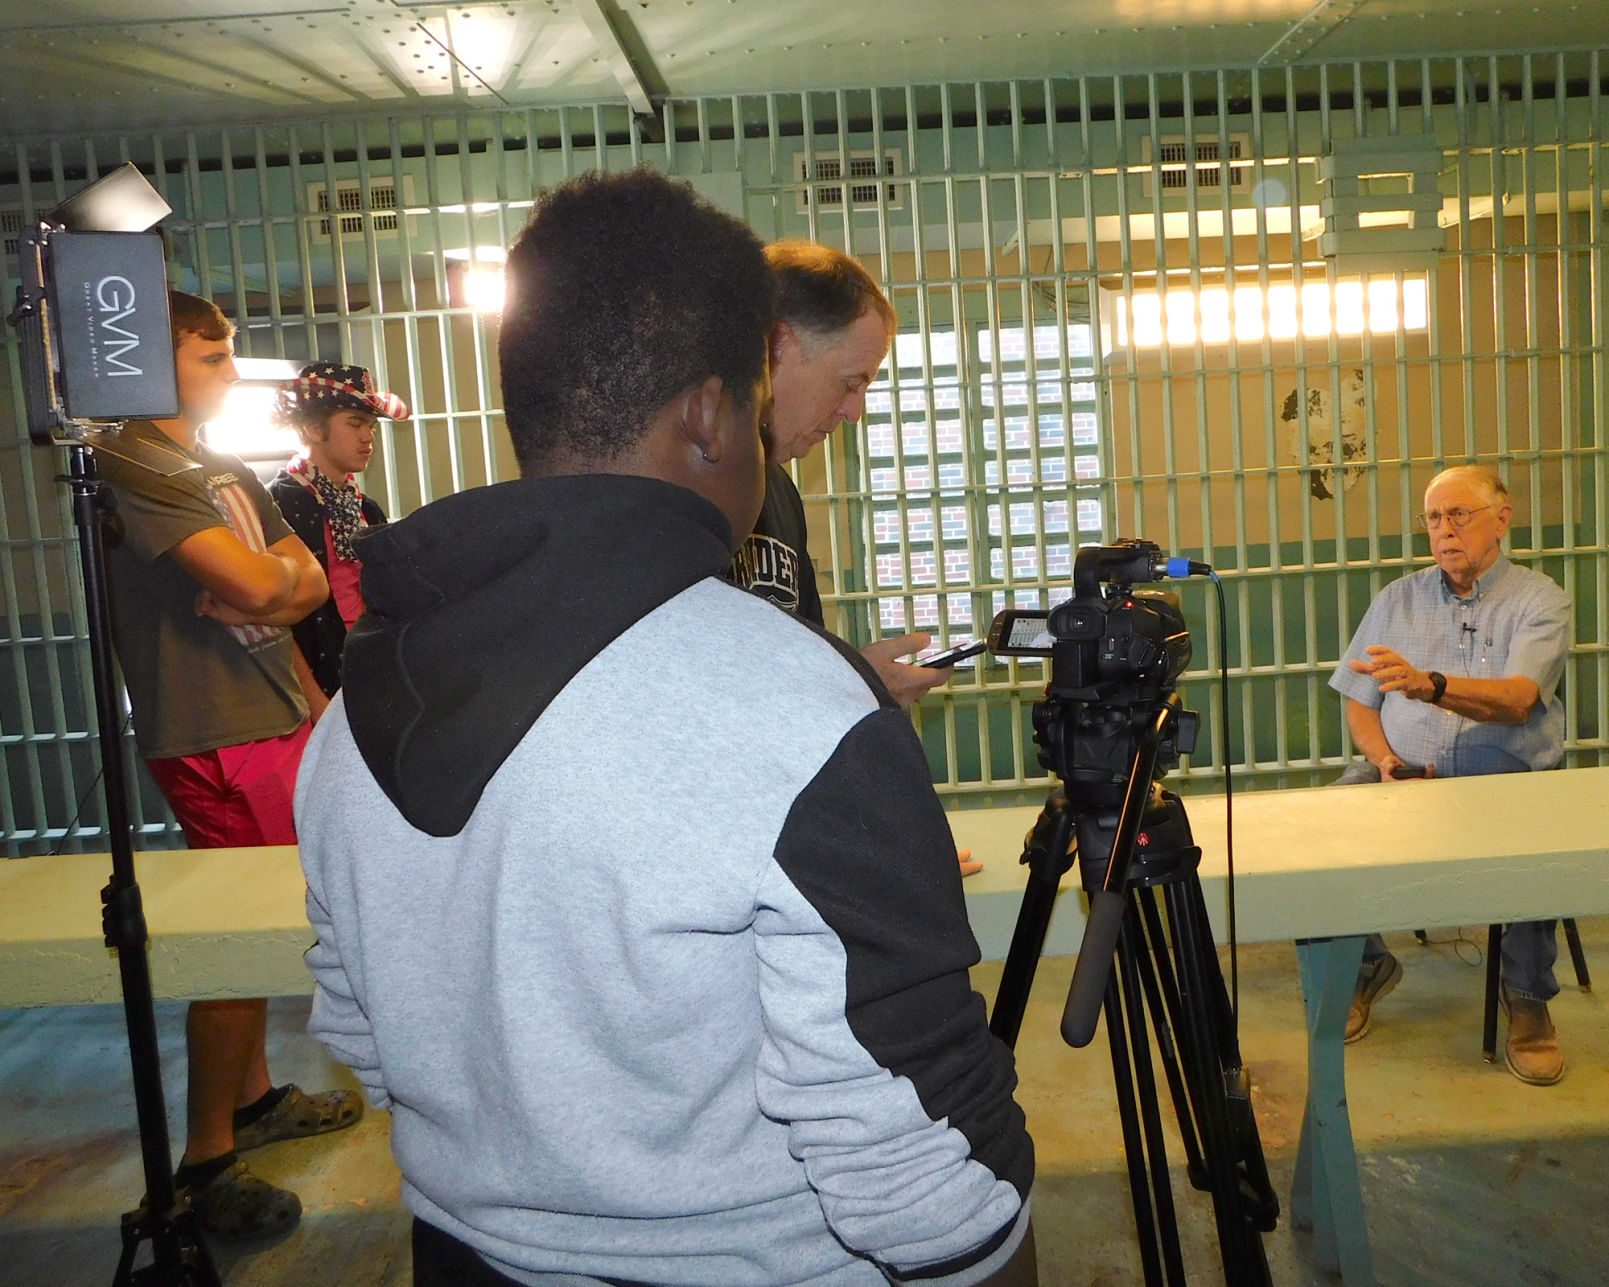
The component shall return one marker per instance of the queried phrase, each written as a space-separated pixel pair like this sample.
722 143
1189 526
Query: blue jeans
1530 948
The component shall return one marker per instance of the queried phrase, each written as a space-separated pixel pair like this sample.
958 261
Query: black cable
93 783
1458 945
1227 746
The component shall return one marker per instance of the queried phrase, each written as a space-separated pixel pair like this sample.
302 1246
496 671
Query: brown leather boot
1532 1051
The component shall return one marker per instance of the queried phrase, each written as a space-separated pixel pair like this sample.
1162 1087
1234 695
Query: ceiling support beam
1308 30
610 29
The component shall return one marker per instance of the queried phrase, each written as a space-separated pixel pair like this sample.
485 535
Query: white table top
1349 860
1309 863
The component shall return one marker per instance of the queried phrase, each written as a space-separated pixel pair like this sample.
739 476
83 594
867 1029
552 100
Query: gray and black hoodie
636 907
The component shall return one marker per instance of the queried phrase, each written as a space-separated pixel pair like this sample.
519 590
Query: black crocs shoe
297 1115
236 1205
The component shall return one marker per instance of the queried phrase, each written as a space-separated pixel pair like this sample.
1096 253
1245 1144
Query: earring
706 456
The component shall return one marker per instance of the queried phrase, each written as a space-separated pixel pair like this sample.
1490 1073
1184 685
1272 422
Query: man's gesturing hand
1393 674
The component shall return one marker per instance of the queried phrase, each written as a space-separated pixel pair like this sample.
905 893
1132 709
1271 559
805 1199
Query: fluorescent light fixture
1149 319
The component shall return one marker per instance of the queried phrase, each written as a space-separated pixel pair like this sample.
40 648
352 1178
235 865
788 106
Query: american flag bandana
343 506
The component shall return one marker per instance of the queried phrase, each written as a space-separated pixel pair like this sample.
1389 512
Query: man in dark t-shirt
833 329
205 579
773 562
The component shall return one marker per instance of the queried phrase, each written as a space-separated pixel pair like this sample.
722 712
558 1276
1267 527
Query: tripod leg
1246 1145
179 1253
1244 1260
1162 992
1045 855
1131 960
1133 1147
1325 1195
1223 1014
1260 1195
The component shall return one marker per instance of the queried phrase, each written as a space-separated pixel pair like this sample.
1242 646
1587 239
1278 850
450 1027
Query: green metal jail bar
1016 224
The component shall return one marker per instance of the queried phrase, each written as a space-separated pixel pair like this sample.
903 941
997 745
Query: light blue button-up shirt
1515 622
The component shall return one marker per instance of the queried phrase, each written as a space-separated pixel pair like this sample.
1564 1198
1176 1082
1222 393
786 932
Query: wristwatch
1438 686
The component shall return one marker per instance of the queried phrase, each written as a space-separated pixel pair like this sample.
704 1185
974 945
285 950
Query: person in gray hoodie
634 902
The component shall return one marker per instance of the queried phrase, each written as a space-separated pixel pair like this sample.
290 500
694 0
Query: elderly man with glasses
1454 671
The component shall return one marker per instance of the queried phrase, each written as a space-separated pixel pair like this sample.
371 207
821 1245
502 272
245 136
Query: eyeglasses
1458 517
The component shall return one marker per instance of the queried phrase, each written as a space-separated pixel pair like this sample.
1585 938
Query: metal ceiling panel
89 65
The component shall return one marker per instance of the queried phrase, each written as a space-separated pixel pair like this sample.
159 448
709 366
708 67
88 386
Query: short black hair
821 291
623 290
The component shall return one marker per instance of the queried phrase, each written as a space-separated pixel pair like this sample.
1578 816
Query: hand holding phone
1403 771
952 655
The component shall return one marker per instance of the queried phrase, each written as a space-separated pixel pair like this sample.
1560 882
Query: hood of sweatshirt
482 606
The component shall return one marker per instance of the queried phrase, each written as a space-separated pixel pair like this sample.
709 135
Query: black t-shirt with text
774 562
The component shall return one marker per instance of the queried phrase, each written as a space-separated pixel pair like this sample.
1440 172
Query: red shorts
236 796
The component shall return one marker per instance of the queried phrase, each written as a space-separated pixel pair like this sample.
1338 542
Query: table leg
1325 1195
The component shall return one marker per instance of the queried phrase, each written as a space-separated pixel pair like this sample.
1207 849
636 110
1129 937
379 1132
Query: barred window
984 474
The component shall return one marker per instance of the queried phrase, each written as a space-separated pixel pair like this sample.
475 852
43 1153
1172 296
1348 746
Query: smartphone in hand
1408 771
952 655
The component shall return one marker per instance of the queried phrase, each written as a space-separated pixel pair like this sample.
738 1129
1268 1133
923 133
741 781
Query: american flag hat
330 386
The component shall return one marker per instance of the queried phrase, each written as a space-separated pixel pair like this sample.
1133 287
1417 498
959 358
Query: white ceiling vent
1220 161
377 213
825 175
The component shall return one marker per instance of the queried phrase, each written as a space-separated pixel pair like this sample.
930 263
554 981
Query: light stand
96 347
180 1257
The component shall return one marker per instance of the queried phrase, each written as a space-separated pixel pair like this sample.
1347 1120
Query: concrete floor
1470 1178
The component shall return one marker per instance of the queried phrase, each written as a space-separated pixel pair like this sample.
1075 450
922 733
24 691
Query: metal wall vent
11 223
356 214
1219 161
825 175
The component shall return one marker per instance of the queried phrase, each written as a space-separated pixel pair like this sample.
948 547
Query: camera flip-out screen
1023 632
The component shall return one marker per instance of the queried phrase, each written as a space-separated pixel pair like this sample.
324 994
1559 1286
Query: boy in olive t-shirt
205 579
169 652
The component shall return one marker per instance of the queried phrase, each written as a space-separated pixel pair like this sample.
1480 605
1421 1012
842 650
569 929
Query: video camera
1115 654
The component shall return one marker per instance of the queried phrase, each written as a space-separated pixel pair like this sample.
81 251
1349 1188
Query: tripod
1181 993
180 1257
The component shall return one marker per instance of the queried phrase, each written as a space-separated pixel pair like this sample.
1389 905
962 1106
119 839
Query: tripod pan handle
1094 967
